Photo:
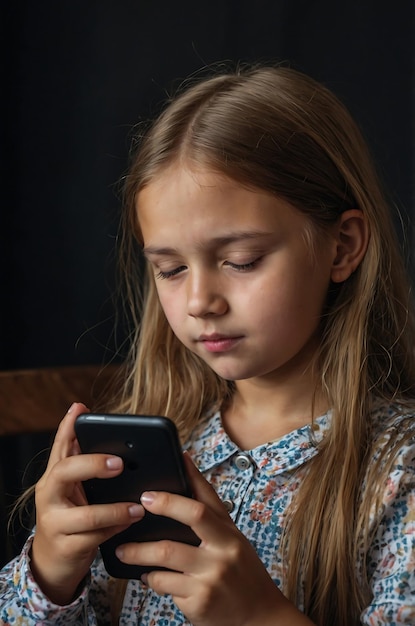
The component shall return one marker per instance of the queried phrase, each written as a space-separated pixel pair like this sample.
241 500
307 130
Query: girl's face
236 278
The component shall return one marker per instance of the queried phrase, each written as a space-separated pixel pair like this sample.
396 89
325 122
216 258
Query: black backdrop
79 73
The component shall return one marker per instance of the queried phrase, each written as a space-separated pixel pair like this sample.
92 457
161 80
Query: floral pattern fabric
256 486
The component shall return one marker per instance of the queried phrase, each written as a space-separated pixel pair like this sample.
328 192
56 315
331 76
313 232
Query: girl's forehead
179 176
180 184
184 203
194 193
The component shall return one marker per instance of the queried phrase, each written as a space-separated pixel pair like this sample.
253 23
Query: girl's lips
219 343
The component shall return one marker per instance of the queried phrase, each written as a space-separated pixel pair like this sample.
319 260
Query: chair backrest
36 400
32 403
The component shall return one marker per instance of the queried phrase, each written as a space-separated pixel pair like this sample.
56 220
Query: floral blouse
256 487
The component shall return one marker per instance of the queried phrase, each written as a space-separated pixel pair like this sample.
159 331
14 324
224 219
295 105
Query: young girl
277 332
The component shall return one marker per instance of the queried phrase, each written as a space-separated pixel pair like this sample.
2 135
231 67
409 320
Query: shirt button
243 462
229 505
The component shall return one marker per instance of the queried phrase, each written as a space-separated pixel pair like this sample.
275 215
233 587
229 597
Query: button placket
243 461
229 505
240 484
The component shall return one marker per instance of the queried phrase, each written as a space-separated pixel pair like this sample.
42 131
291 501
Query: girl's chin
232 374
227 366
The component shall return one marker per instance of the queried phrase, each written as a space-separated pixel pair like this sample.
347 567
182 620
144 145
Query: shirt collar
210 446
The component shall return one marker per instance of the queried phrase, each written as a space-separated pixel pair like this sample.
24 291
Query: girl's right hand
68 530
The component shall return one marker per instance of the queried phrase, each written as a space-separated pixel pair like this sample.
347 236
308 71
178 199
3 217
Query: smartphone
153 461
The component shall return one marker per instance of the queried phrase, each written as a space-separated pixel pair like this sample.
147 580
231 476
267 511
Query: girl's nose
205 296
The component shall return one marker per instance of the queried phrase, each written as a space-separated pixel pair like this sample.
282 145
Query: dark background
78 74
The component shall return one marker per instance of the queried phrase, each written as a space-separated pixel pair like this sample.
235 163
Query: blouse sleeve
391 560
22 602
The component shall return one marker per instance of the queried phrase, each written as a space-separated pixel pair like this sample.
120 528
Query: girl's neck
256 414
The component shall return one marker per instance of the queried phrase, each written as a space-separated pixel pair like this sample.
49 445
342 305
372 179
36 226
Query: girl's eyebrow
220 241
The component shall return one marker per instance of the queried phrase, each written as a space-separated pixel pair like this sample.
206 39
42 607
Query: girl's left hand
220 582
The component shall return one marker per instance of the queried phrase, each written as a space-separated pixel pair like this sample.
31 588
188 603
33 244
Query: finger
78 495
202 490
65 438
172 583
206 524
75 469
98 517
171 554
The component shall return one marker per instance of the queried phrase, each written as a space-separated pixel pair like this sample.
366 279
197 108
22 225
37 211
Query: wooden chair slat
36 400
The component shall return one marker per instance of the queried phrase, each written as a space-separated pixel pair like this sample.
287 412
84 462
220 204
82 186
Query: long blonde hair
275 129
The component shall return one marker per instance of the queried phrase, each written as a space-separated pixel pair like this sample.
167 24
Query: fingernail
113 462
136 510
148 497
144 579
71 407
119 552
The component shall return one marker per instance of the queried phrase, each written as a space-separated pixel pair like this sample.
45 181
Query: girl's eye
243 267
170 273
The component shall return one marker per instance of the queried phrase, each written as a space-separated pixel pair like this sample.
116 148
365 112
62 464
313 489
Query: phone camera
129 444
132 466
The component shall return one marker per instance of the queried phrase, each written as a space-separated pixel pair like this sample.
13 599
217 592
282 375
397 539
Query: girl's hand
220 582
68 530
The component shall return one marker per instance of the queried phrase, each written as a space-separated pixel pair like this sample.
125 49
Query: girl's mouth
219 343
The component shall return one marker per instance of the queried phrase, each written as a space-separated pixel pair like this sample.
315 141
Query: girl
277 332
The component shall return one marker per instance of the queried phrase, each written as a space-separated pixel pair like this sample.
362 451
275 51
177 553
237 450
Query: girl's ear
352 236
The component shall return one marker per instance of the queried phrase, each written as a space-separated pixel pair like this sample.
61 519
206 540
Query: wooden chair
32 403
36 400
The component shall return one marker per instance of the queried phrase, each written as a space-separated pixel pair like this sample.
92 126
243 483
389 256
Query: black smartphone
153 461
